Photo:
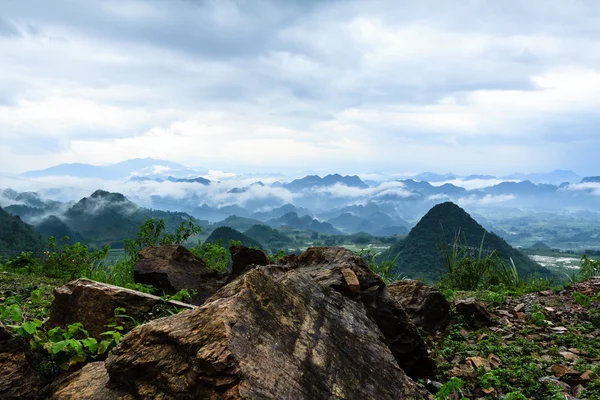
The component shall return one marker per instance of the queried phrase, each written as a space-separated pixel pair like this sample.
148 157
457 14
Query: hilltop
419 255
16 236
226 234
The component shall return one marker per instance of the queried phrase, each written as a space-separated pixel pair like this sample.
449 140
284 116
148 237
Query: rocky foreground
320 325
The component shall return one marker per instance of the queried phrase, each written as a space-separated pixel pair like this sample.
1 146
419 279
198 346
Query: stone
578 391
427 307
173 268
262 336
18 380
90 383
242 258
343 271
549 380
471 308
567 355
559 370
93 303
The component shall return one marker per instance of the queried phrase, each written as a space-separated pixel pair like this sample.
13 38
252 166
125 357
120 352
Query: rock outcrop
93 303
427 307
90 383
242 258
343 271
18 380
265 335
173 267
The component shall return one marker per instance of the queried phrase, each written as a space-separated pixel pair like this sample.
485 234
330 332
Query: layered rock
343 271
265 335
173 267
93 303
427 307
18 380
90 383
242 258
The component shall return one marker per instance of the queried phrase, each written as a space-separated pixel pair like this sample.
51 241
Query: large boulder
427 307
93 303
343 271
173 267
90 383
262 336
244 257
18 380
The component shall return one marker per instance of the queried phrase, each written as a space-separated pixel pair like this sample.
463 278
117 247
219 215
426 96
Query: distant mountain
292 220
31 199
591 179
279 212
238 223
54 226
391 231
482 177
136 167
16 236
540 246
312 181
433 177
419 255
524 188
554 177
199 180
272 239
226 234
425 188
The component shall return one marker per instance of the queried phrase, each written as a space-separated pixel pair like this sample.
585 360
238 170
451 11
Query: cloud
587 187
488 199
347 86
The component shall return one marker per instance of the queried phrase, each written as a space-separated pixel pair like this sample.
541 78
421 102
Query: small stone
578 391
519 307
549 380
559 370
567 355
546 358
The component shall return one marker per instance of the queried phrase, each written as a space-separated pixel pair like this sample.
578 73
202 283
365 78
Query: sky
334 86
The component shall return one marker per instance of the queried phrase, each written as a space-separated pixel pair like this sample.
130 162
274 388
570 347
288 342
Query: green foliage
16 236
215 255
515 396
588 268
384 268
70 261
454 385
537 316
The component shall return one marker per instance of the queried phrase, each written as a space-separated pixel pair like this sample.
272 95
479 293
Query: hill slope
226 234
419 254
16 236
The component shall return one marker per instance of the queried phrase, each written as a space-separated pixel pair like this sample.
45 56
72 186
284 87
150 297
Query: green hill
54 226
272 239
419 255
16 236
238 223
226 234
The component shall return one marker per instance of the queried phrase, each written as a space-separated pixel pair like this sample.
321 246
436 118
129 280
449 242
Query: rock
343 271
18 380
244 257
473 309
172 268
559 370
93 303
578 391
549 380
427 307
584 379
262 336
567 355
90 383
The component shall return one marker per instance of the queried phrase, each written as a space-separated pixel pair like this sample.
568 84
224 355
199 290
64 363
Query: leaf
91 344
59 346
30 327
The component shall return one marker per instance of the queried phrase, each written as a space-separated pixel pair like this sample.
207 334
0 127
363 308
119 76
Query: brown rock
331 267
559 370
93 303
567 355
427 307
17 379
172 268
473 309
90 383
242 258
262 336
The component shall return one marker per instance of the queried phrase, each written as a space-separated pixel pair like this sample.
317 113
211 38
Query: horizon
324 86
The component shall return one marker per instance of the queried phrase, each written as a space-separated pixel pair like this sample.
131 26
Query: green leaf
91 344
30 327
59 346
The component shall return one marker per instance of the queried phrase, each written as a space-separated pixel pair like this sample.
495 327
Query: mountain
16 236
199 180
425 188
540 246
239 223
54 226
419 255
433 177
554 177
292 220
524 188
312 181
591 179
136 167
272 239
226 234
